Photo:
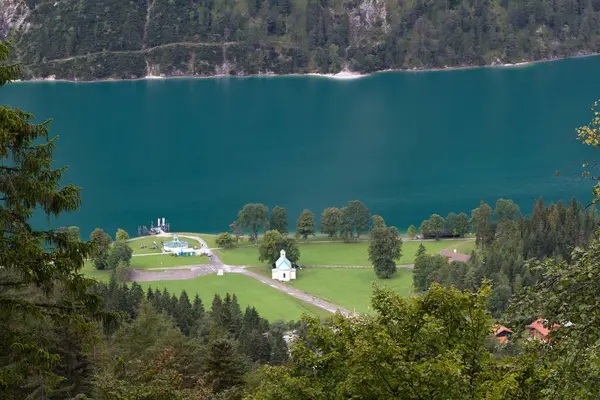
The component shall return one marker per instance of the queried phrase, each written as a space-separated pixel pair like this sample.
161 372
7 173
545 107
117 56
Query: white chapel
283 270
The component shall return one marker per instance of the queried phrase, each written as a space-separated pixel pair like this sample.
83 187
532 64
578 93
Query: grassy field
350 288
340 254
90 271
346 287
270 303
147 240
145 262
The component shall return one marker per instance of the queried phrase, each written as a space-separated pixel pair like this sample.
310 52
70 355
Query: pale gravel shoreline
344 75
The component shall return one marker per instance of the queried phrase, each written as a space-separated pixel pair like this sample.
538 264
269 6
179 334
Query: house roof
455 256
538 325
498 329
282 262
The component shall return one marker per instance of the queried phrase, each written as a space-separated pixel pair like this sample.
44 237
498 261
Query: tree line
347 222
115 39
506 241
354 219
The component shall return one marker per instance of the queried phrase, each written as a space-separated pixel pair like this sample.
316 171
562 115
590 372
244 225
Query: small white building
283 270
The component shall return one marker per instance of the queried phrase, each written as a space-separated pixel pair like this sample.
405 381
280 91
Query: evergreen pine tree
279 349
235 323
136 295
215 310
184 316
198 308
421 250
165 301
224 367
150 293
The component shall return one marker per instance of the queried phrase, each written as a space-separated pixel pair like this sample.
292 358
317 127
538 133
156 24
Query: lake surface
407 144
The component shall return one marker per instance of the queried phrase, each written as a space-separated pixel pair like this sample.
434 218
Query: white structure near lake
179 247
283 270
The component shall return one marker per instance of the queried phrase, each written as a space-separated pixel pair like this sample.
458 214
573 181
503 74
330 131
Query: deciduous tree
424 228
225 240
377 222
237 231
254 217
481 219
119 252
346 227
385 249
272 244
430 347
101 246
358 215
279 220
462 224
305 225
436 225
506 210
412 231
330 221
121 235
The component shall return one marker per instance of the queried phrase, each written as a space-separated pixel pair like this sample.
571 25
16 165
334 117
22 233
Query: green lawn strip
263 270
208 238
91 272
239 256
167 260
270 303
337 253
147 240
348 287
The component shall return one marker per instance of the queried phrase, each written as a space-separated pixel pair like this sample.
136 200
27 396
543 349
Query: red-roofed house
452 256
502 333
539 331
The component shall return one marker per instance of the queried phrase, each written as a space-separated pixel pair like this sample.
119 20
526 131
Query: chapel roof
282 262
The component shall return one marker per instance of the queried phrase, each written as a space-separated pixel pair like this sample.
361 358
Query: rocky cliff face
13 15
367 17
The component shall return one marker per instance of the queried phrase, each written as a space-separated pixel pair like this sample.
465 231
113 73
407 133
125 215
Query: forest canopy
95 40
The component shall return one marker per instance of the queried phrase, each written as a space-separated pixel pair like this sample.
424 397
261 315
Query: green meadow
270 303
344 254
350 288
136 244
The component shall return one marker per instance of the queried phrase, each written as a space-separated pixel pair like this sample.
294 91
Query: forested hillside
114 39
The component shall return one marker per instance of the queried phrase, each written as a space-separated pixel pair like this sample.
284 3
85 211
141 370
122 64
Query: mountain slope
86 40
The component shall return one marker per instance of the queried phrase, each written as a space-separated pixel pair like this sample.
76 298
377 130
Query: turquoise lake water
407 144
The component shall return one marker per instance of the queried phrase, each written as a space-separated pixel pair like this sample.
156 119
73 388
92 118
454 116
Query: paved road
170 273
325 305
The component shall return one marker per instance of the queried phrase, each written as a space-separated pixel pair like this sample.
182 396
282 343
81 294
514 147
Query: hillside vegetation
89 40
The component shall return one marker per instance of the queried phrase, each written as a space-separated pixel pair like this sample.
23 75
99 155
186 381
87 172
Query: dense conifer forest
506 241
89 40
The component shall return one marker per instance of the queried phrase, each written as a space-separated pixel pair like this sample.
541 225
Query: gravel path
170 274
